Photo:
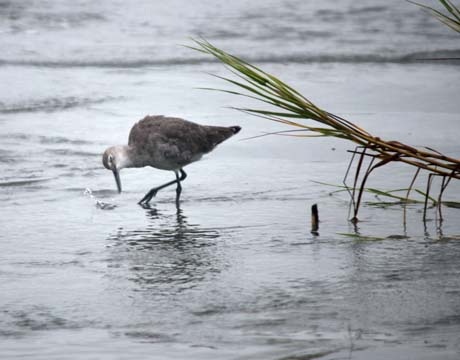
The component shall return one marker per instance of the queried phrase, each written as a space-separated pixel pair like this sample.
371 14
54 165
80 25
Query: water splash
98 203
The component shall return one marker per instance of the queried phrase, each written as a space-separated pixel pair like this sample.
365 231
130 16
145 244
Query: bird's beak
116 173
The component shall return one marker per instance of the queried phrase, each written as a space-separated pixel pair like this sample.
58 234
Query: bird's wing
177 140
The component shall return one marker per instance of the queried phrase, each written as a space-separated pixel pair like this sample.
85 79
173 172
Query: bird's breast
166 157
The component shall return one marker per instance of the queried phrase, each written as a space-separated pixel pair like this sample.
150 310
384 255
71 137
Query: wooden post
314 219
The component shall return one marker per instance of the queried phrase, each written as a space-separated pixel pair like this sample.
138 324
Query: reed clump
291 108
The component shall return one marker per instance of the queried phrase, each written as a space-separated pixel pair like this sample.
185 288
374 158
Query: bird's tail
235 129
216 134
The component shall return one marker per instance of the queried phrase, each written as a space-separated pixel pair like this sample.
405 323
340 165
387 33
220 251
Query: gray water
86 273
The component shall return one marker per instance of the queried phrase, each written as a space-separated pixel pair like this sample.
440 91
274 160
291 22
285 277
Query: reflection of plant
293 109
452 20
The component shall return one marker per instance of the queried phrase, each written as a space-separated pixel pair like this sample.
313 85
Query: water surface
236 273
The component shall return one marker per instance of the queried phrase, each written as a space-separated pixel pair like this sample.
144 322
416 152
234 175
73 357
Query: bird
165 143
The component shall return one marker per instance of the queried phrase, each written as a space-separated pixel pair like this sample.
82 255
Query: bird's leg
146 199
180 178
178 189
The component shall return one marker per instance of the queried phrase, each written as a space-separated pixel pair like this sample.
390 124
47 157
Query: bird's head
115 158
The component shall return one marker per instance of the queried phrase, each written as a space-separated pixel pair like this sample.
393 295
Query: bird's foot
146 199
145 205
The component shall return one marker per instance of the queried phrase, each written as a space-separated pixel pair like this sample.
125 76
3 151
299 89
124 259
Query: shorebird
165 143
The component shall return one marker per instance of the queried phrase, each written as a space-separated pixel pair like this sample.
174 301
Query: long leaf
452 22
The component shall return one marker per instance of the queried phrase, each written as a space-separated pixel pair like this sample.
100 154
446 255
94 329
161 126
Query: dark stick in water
314 219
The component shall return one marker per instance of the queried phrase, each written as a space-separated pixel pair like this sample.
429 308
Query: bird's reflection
169 253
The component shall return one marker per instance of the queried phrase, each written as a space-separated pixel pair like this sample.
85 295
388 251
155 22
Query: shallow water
85 273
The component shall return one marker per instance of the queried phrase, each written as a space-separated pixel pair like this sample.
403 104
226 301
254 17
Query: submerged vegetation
289 107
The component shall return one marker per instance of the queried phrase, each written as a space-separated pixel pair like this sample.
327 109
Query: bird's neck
123 156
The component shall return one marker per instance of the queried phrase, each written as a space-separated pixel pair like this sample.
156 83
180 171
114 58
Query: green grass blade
452 22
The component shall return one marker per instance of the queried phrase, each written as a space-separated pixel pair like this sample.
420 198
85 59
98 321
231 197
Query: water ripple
275 58
51 104
23 182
